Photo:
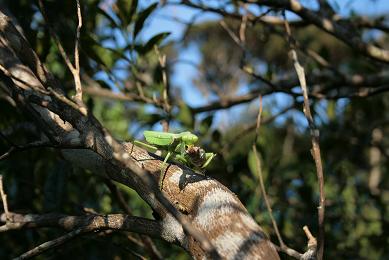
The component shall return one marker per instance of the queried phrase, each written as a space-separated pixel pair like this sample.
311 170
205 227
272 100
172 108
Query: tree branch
87 223
78 225
343 33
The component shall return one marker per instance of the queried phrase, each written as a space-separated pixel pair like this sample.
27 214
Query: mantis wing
159 138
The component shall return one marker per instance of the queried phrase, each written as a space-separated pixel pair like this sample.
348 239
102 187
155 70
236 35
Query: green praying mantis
180 147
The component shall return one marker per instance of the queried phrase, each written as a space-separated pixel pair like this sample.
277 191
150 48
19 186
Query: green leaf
110 18
142 16
133 7
155 40
126 10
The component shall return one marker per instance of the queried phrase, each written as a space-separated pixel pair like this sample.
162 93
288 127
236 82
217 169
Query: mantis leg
180 158
163 172
180 148
209 157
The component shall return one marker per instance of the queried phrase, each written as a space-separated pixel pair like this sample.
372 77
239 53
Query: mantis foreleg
163 172
209 157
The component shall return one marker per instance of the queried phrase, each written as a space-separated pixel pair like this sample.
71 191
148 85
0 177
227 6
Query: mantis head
196 155
190 139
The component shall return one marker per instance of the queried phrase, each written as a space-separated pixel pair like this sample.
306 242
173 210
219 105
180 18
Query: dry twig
4 198
76 72
49 245
310 254
165 92
315 140
74 69
283 247
262 185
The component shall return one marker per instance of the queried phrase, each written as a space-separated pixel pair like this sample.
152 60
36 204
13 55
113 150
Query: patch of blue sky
365 7
184 72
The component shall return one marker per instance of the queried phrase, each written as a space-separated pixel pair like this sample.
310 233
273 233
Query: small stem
314 138
4 198
261 182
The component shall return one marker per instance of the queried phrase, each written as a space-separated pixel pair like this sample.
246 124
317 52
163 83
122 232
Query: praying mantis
180 147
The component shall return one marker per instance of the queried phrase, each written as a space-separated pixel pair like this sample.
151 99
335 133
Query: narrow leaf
155 40
142 16
133 7
109 17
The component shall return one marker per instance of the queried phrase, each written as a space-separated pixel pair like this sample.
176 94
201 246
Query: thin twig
165 92
7 153
4 198
38 144
315 140
283 247
310 254
233 36
243 26
50 244
289 251
74 69
55 37
262 185
76 73
311 239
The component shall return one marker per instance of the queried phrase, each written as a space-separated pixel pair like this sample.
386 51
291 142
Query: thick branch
78 225
88 223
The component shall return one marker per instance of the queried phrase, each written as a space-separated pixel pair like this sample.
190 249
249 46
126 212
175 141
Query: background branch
315 142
